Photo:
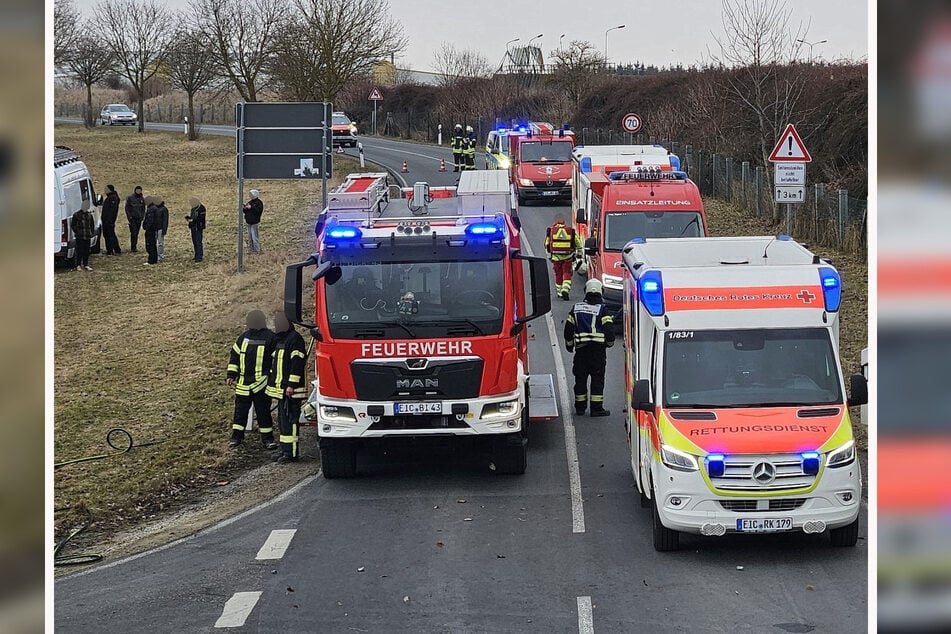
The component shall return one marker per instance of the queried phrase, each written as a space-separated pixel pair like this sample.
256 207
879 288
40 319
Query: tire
511 454
845 536
665 539
338 458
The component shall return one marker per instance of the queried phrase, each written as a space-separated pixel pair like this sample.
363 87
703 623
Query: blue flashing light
636 241
810 462
651 289
586 164
674 162
783 237
716 465
483 229
344 233
831 287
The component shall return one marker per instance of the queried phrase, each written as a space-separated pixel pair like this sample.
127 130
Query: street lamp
559 40
619 26
507 52
810 45
534 38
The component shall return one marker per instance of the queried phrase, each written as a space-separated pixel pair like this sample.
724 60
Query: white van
72 190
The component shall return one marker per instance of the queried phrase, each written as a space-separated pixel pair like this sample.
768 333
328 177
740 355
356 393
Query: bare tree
453 65
760 43
65 29
240 33
190 67
575 69
137 33
344 39
89 63
295 65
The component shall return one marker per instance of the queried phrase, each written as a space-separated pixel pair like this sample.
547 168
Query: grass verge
145 348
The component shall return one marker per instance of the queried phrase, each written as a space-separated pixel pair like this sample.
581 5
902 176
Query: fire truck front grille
438 379
768 472
750 506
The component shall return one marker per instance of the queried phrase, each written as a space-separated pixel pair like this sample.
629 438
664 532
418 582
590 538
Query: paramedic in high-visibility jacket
589 332
285 384
562 245
247 372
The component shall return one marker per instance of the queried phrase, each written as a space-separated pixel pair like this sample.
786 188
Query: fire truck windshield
619 228
913 395
430 299
545 151
750 368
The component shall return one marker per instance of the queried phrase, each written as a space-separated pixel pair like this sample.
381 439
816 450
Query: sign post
375 96
789 158
289 140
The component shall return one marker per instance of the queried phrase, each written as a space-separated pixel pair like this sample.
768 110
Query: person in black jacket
196 223
150 224
162 211
110 213
285 383
134 213
589 332
253 210
248 368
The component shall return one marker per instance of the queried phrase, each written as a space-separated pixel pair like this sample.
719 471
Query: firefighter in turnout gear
456 144
589 332
248 369
468 149
285 383
562 245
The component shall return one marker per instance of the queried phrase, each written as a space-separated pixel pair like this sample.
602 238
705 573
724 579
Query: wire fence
827 217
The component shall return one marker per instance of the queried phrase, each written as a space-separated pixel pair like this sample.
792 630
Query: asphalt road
427 539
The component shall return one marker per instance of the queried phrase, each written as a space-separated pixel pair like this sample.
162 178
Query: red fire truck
420 323
540 162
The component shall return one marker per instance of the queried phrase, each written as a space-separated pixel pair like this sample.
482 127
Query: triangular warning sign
375 95
790 148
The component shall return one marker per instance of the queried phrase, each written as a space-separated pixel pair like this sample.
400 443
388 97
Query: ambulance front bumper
685 503
498 414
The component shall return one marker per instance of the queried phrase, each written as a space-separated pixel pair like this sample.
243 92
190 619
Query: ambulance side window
654 363
630 313
490 144
594 215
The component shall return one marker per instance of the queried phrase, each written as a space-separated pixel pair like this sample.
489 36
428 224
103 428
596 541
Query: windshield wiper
695 221
399 325
773 404
449 324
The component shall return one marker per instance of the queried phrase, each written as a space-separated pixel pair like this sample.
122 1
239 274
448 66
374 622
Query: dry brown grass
145 348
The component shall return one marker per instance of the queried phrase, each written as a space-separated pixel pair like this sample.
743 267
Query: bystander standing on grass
150 224
162 212
110 213
196 224
253 210
134 212
83 226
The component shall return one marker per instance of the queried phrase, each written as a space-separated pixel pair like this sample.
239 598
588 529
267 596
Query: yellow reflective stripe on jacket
294 378
297 353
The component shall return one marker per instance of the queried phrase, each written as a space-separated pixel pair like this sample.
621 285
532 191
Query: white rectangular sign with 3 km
790 193
790 174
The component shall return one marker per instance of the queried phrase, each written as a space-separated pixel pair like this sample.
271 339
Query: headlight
505 409
525 182
309 410
353 129
337 414
570 182
612 281
504 164
842 456
677 460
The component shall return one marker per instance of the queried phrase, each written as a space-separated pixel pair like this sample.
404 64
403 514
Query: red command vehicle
643 203
420 323
540 162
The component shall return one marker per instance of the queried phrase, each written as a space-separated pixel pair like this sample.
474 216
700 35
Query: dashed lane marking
237 609
276 544
585 616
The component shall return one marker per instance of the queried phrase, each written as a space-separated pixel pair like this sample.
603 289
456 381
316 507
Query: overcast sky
661 32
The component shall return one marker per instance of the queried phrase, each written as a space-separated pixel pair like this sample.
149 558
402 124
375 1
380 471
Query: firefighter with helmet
589 332
285 383
456 144
248 367
562 245
468 149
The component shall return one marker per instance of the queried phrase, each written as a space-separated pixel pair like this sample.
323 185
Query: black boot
236 438
268 441
599 411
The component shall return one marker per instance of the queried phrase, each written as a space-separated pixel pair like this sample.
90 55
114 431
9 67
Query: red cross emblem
805 296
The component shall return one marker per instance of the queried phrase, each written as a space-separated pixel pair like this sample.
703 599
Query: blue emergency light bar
650 287
344 233
586 164
716 465
831 287
484 229
810 462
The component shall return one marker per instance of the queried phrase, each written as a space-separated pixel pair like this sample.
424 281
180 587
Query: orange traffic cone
405 169
442 165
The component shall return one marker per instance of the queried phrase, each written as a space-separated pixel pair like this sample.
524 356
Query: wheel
845 536
665 539
338 458
511 454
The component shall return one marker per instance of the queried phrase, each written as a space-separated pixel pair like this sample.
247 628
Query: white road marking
567 419
276 544
585 616
238 608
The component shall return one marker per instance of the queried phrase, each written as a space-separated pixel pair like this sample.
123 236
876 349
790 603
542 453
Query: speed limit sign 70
631 123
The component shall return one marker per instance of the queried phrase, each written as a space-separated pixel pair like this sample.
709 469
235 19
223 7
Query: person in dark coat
110 213
150 224
253 210
84 228
162 211
196 223
134 213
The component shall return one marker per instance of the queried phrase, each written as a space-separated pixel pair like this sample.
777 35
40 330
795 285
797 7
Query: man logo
416 383
764 472
418 363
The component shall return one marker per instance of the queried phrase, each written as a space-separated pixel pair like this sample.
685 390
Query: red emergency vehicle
420 329
540 162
